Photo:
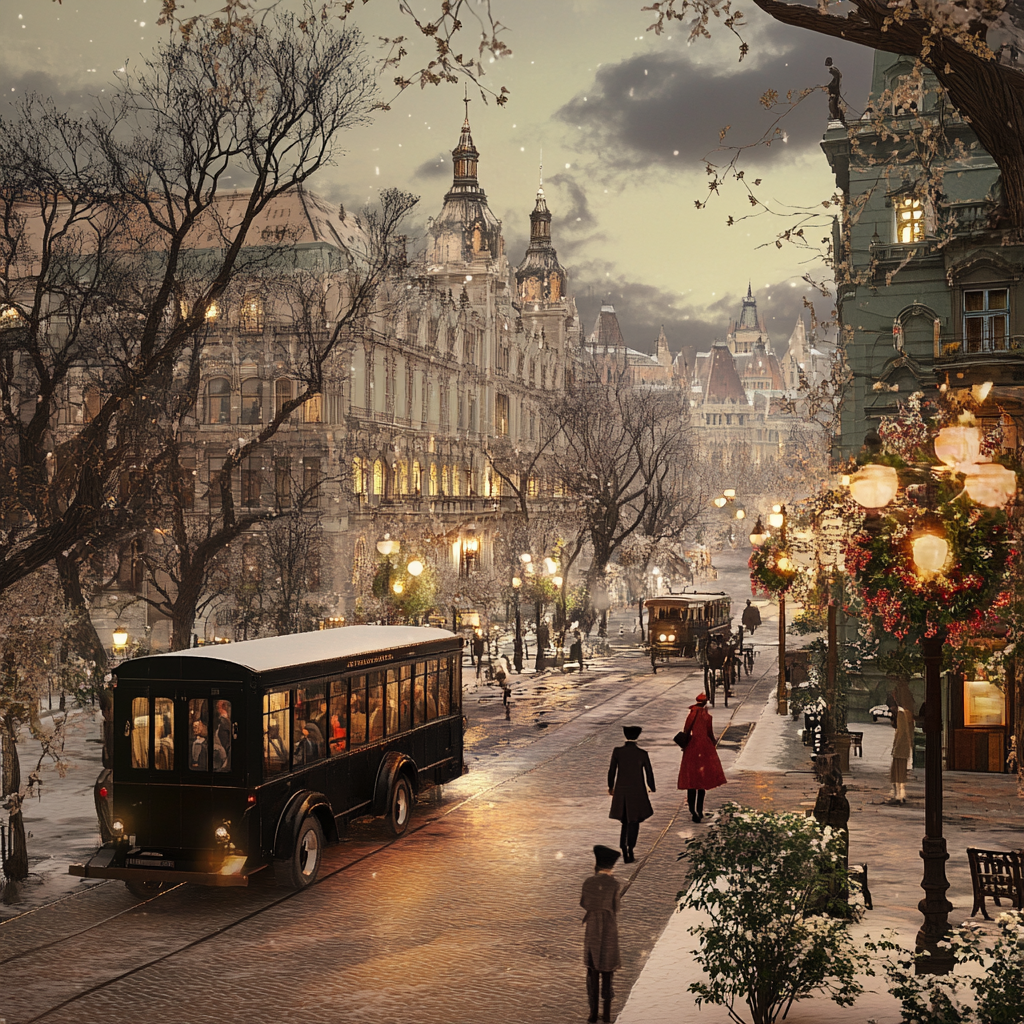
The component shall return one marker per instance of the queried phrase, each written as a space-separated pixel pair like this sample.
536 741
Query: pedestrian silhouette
629 769
600 899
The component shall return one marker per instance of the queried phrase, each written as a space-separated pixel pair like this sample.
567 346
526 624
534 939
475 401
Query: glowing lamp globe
990 484
387 546
784 564
759 536
729 492
557 580
776 518
415 567
740 514
550 565
120 637
958 446
516 582
930 552
720 502
874 486
397 588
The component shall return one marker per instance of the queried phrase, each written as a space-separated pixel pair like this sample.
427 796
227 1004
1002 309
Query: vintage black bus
232 758
680 626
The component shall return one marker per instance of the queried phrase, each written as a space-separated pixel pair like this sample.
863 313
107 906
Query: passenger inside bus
198 759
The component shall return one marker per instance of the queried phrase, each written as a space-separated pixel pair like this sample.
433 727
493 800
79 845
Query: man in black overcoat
630 767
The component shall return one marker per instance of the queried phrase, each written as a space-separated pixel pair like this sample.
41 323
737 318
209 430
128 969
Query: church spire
540 277
465 160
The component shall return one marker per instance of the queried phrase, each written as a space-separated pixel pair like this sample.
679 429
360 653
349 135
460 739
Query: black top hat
632 732
606 857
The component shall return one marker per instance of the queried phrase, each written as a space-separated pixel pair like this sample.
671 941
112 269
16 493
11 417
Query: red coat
701 768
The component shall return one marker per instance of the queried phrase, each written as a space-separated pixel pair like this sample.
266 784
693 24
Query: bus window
357 711
164 720
276 734
375 707
140 732
198 730
430 685
310 709
406 701
392 726
443 691
338 730
221 735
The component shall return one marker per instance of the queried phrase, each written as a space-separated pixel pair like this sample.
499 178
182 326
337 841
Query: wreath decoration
766 576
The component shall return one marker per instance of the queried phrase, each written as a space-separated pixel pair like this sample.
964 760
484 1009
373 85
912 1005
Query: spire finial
540 182
749 293
466 101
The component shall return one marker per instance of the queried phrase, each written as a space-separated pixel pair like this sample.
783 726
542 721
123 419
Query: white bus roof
276 652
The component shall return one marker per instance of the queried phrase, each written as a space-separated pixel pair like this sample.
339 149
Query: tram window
406 699
447 680
140 732
338 730
221 735
198 730
375 707
164 734
430 685
357 711
310 710
443 690
276 733
392 726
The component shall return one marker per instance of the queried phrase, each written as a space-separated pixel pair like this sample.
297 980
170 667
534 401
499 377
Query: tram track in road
93 933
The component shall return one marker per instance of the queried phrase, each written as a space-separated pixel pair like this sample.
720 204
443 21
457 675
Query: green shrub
763 879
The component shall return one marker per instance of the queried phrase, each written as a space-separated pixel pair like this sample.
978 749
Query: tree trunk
15 864
11 774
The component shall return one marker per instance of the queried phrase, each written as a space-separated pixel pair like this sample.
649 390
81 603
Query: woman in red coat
701 770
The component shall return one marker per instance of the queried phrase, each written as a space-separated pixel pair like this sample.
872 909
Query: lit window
313 409
250 319
909 221
986 319
9 317
212 311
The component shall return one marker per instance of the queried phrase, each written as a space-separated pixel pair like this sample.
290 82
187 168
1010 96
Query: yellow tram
680 626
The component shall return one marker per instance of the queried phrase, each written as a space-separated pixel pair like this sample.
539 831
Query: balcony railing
1011 347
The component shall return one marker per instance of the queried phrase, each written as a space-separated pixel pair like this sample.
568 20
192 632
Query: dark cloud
75 97
567 200
439 167
667 109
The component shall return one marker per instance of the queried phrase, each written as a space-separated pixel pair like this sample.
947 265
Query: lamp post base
933 958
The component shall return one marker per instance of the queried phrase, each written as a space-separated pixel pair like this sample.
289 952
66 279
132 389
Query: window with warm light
986 319
378 477
358 476
909 220
313 409
250 318
218 400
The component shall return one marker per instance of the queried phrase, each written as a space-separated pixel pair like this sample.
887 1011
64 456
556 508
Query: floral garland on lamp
972 590
765 575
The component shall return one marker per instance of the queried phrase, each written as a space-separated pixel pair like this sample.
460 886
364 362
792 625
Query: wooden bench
996 873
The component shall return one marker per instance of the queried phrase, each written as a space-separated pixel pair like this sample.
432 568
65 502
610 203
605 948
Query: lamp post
874 487
517 649
777 519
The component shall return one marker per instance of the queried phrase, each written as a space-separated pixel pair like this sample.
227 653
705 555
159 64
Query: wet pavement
474 913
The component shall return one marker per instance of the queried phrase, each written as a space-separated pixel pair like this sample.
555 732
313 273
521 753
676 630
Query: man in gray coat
600 899
629 768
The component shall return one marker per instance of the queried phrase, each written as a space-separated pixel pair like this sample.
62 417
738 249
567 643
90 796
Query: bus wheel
400 806
301 868
147 890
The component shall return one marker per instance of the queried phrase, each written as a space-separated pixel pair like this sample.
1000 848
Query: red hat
702 698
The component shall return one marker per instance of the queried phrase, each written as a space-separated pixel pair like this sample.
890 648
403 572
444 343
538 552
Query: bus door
147 764
212 760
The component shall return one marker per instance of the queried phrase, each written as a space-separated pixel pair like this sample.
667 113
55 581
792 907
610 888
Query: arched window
282 393
416 477
358 476
444 480
403 477
251 560
252 400
433 478
378 477
250 318
218 400
456 481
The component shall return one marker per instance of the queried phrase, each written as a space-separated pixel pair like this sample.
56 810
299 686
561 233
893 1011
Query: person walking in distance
902 742
630 768
600 900
751 617
701 769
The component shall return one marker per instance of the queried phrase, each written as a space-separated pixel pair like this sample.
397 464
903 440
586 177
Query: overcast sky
625 120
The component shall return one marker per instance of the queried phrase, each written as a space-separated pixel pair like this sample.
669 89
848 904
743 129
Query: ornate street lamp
958 448
120 638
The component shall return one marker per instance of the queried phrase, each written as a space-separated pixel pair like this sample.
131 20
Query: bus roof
277 652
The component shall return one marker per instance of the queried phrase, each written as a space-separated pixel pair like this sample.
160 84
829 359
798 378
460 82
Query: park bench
996 873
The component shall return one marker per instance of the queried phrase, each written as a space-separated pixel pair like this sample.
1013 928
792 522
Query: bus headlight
221 834
117 827
672 637
662 638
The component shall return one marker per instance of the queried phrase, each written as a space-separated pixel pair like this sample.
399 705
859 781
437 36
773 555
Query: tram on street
681 625
229 759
